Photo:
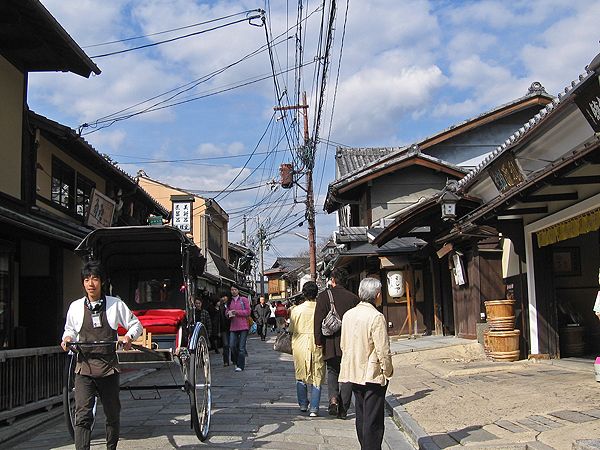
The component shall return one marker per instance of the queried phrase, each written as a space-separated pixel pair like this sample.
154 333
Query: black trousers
340 391
86 390
370 413
261 328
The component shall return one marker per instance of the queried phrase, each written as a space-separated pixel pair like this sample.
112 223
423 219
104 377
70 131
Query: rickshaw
154 269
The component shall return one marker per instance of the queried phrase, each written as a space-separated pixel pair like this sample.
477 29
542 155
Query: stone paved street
253 409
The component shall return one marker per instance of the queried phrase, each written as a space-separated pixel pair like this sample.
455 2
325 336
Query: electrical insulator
286 172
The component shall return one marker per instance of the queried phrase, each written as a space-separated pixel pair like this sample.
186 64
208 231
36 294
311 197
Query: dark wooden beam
570 181
550 197
523 211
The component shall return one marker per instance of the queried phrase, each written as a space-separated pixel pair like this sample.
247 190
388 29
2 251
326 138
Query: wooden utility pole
310 201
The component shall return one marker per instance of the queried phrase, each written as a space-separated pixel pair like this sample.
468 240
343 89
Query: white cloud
211 149
109 140
372 101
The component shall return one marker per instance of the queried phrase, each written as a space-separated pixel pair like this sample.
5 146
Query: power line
169 31
261 15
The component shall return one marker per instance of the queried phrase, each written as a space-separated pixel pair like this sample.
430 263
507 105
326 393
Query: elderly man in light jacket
367 362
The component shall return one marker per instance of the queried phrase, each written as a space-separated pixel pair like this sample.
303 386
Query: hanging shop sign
506 173
588 102
181 214
100 211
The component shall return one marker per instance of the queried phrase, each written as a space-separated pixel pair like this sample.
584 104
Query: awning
38 226
218 267
570 228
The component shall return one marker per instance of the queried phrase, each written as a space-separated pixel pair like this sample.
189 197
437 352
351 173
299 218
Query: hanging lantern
448 202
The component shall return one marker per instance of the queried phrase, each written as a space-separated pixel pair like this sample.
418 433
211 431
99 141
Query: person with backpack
340 394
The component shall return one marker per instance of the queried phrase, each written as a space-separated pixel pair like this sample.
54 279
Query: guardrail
30 379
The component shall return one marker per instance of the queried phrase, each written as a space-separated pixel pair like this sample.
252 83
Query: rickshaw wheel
200 395
69 395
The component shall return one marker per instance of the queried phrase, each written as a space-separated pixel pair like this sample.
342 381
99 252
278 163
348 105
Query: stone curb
418 437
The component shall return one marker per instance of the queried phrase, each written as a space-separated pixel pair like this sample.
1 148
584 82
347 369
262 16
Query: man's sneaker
304 408
342 413
238 369
313 414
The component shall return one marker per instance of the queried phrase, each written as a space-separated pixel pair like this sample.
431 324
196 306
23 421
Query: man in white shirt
96 317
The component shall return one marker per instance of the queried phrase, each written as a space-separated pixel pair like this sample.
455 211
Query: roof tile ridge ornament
414 149
537 88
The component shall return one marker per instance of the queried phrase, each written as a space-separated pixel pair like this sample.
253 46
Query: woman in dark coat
223 325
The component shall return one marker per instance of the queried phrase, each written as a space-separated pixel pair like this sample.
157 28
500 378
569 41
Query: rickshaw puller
96 317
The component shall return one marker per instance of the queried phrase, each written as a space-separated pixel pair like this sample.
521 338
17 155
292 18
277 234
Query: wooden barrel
571 341
504 345
486 342
500 314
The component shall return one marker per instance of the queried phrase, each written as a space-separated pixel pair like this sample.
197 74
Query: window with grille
84 191
63 184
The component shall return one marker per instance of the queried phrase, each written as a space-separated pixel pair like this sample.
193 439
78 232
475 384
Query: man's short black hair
92 268
310 290
340 275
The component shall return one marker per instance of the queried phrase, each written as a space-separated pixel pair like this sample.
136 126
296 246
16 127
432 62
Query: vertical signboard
181 214
100 211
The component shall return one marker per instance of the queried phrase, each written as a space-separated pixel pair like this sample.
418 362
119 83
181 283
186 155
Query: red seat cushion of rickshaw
159 321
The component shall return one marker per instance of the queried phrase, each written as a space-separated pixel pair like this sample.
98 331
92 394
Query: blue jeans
237 346
315 396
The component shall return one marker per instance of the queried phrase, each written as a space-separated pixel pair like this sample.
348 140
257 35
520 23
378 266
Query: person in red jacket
281 315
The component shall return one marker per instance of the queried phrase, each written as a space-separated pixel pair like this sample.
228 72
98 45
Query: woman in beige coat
308 358
367 362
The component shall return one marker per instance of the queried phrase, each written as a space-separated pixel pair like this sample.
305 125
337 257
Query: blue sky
408 70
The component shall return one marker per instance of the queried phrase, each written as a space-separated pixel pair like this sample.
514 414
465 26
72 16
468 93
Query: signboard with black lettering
182 216
505 172
100 211
588 102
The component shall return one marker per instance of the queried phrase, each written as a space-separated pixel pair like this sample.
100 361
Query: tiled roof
350 160
289 264
525 130
354 161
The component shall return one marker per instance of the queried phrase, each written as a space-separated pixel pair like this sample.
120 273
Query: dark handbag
332 322
283 343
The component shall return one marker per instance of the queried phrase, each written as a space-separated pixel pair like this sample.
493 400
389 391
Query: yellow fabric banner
570 228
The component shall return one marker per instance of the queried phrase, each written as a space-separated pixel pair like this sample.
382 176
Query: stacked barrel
501 341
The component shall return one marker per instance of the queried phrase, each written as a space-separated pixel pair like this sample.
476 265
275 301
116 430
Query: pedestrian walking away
281 315
340 394
224 323
367 363
238 310
262 313
96 317
309 366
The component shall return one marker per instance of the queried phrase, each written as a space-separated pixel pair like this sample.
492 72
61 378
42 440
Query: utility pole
244 237
308 157
261 240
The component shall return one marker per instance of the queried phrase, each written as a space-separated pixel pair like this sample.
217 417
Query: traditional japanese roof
350 160
32 40
289 264
530 127
357 166
407 157
69 141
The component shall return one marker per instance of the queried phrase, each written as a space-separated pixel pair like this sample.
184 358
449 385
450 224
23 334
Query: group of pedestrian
356 358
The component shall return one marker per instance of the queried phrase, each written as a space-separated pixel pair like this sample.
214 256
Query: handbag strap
331 304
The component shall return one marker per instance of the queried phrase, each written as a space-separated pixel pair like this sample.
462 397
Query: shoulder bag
283 343
332 322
